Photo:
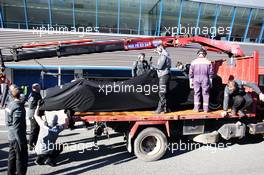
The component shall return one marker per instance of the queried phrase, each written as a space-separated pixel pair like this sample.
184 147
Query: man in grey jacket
163 70
16 124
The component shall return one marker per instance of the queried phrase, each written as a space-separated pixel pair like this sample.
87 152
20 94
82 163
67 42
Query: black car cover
134 94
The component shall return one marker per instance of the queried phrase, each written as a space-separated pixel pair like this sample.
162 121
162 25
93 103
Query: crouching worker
46 148
235 92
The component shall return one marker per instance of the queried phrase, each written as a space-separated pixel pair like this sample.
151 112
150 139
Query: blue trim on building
73 14
26 13
50 12
198 17
139 17
156 13
118 16
160 16
1 17
65 67
248 23
218 10
179 17
68 67
96 13
261 33
232 22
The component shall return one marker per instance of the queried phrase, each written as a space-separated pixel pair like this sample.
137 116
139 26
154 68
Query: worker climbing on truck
47 149
235 92
140 66
163 71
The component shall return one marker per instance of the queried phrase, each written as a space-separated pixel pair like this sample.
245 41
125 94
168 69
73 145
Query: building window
13 13
38 13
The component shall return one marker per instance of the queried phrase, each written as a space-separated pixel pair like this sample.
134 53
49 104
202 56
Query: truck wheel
150 144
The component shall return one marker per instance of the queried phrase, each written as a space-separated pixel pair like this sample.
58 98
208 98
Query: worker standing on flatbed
241 100
163 71
140 66
201 74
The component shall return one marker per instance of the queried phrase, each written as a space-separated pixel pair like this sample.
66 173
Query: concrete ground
81 156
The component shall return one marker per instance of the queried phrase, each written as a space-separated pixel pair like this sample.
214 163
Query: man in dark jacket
33 100
140 66
241 100
16 124
163 70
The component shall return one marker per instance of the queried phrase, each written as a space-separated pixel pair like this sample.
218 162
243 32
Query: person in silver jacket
163 70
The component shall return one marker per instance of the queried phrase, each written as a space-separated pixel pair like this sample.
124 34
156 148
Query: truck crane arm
87 46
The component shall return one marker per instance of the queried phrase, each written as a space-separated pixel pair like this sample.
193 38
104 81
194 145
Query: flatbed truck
147 133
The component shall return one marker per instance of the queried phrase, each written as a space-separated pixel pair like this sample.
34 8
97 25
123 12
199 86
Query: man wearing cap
33 100
201 74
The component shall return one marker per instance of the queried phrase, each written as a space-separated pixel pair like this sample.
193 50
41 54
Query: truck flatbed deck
151 116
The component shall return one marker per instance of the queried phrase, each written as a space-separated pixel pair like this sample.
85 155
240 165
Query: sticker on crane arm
138 45
155 43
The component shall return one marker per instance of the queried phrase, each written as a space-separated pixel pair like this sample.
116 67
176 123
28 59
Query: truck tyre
150 144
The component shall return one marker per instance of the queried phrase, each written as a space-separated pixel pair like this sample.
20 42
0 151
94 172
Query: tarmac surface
110 157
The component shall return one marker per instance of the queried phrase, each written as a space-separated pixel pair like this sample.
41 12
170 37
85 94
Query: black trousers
18 158
34 132
163 88
242 102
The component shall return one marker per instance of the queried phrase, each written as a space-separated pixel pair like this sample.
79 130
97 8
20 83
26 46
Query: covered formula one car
134 94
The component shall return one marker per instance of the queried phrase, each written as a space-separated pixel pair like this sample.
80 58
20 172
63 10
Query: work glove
191 83
224 113
261 97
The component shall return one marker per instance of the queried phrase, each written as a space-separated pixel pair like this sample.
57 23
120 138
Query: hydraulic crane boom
86 46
